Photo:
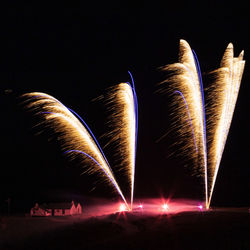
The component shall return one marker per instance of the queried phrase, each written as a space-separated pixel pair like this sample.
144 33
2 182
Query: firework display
222 98
187 90
185 82
202 129
75 137
122 105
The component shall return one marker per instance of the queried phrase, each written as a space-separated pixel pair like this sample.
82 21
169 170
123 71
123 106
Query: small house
40 210
66 208
56 209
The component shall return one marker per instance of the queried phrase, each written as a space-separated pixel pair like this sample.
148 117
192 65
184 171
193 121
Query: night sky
75 54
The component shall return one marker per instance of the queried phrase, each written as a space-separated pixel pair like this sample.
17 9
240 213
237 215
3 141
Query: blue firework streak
136 127
186 78
91 133
202 96
136 110
74 134
190 121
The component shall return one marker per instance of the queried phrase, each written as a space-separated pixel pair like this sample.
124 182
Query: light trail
123 106
223 96
190 121
72 134
185 77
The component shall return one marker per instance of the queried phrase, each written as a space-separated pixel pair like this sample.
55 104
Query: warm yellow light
123 132
186 90
72 134
223 96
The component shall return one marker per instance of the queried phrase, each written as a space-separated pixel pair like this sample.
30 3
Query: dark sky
76 53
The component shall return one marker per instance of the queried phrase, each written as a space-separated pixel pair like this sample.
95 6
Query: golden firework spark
185 81
122 104
74 135
222 97
187 90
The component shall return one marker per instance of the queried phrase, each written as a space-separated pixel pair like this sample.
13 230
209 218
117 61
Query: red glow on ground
155 206
170 206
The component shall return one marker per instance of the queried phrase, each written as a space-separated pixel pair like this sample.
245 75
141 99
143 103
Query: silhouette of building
56 209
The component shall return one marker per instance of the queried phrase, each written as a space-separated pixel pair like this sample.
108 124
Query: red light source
140 206
165 207
123 208
200 207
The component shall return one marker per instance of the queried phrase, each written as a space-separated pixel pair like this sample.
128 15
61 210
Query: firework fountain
186 86
76 138
185 82
123 121
222 96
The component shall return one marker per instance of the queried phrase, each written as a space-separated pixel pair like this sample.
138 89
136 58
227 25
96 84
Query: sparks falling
222 96
186 87
186 84
74 135
122 102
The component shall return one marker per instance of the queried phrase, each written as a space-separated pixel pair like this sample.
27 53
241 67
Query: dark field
227 228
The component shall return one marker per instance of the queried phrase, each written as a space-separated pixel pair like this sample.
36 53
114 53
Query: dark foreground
216 229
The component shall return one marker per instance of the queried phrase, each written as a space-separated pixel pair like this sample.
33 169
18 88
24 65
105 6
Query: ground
218 228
